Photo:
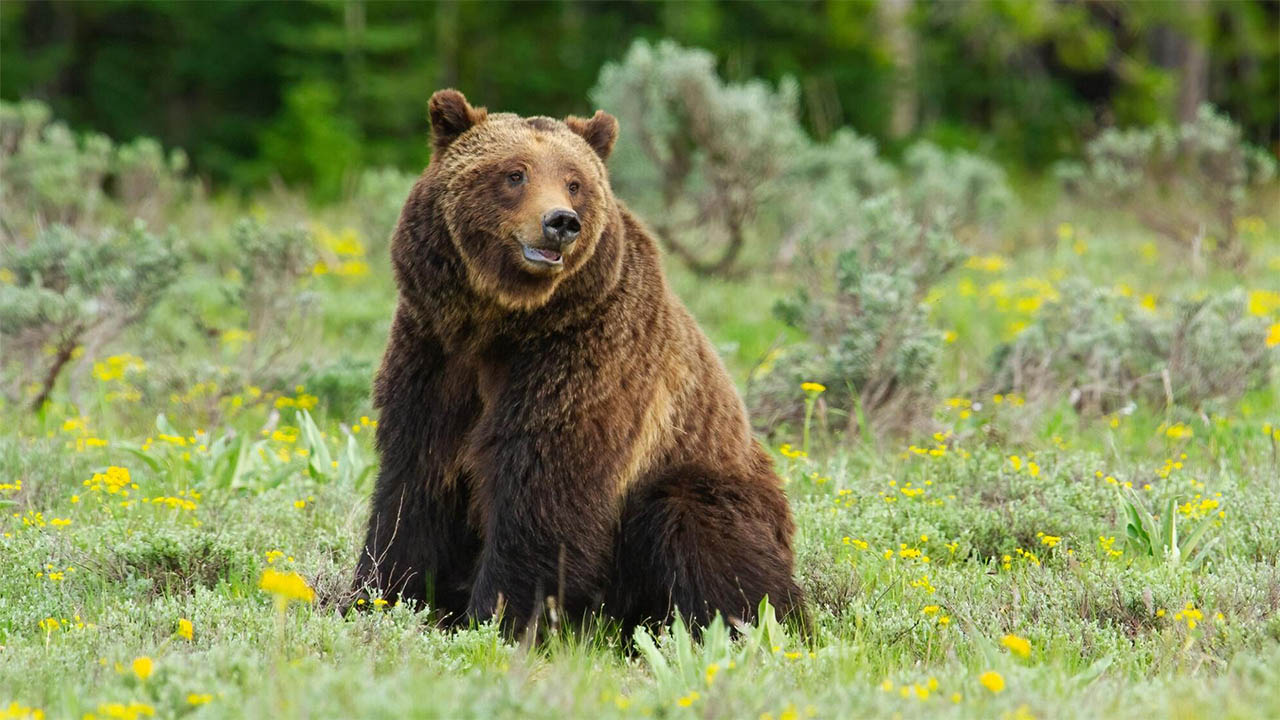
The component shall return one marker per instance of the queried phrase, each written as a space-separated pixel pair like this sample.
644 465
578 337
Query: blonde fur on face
489 222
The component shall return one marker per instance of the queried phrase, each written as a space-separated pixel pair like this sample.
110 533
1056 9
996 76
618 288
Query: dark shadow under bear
553 422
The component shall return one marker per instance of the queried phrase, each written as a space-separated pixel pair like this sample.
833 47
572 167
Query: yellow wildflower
1190 615
18 711
788 451
1263 302
286 586
132 711
1017 645
986 263
142 667
813 387
992 681
186 630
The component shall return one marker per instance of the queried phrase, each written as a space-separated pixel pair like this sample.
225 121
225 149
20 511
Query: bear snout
560 227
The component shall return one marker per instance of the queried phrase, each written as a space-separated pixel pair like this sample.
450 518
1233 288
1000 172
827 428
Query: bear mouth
543 257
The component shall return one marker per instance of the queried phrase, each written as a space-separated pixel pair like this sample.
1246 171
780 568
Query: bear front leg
548 532
419 545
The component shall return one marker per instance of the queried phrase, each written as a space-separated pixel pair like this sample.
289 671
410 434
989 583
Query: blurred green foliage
1187 183
1103 349
307 92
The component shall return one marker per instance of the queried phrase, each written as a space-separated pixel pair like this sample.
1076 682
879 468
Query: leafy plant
680 660
1157 536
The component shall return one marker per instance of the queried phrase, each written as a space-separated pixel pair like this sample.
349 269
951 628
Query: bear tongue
551 255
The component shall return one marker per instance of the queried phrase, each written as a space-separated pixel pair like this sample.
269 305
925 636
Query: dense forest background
304 92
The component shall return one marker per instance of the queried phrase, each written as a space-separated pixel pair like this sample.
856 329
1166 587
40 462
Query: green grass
1011 551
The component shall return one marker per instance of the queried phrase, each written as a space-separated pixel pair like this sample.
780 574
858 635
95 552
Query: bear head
525 200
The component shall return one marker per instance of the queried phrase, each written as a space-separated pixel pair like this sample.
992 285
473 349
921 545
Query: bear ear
600 132
451 115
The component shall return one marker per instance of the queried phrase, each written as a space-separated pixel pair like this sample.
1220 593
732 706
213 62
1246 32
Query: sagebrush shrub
891 237
65 294
1103 349
79 266
965 191
378 196
1187 183
52 176
700 156
869 341
271 264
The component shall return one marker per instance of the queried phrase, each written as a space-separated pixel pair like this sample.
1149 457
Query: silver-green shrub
78 265
52 176
890 237
271 264
378 197
1187 183
63 294
1102 349
965 191
869 341
698 156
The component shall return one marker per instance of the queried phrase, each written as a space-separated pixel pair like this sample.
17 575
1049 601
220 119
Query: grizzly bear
553 422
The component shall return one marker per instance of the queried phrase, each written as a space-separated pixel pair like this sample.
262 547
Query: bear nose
560 226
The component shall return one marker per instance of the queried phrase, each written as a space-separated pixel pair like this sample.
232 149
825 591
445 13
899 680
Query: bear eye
573 188
515 178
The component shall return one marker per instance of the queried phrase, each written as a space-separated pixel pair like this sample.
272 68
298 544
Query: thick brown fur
544 433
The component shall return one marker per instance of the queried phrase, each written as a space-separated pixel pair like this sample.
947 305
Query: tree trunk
900 38
1194 65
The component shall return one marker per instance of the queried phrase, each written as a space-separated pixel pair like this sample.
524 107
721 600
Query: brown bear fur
551 432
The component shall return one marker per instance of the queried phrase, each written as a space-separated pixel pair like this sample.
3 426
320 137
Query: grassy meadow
182 515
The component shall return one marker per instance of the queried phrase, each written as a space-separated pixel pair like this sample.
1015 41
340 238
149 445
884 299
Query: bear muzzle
560 228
